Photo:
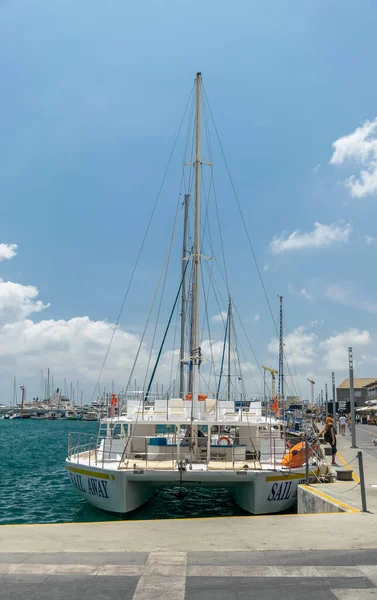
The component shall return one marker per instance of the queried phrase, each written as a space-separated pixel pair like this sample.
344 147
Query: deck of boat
212 465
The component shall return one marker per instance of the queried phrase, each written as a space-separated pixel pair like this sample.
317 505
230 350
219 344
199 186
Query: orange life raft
296 456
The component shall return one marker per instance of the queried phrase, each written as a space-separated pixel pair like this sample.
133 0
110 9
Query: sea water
34 486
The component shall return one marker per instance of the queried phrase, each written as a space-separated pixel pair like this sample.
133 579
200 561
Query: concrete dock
346 496
288 557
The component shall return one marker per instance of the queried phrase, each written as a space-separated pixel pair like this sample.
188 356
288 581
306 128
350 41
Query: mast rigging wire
243 218
143 242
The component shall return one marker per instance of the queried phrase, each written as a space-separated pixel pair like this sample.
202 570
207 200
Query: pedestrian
330 438
349 421
342 424
357 419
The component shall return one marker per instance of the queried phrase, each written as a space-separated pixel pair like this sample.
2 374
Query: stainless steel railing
87 449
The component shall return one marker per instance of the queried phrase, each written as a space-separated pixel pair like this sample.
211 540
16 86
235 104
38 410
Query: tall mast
14 392
183 302
23 398
195 350
229 329
281 362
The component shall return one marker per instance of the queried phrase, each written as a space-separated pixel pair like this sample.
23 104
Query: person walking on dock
342 424
329 434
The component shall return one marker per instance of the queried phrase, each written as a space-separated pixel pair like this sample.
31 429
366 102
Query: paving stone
369 571
155 587
245 571
125 558
218 594
165 571
119 570
84 558
227 558
322 557
13 557
349 571
230 583
109 588
26 569
167 558
54 558
28 579
327 582
6 567
77 569
211 571
296 571
285 594
350 594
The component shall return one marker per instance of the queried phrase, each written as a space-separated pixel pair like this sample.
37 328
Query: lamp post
352 399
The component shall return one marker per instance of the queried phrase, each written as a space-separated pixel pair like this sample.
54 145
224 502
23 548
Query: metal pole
264 391
333 400
183 302
306 462
327 401
321 402
362 482
352 399
281 365
229 328
195 351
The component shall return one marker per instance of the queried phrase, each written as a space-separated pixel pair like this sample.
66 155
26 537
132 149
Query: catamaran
196 438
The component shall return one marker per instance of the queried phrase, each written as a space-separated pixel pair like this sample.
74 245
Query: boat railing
168 452
159 452
82 447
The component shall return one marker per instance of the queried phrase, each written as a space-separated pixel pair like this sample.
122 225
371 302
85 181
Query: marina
188 340
144 559
202 441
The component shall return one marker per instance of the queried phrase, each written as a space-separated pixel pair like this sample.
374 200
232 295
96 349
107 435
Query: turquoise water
35 487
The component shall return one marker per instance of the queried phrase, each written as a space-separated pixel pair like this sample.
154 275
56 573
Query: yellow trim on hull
90 473
289 477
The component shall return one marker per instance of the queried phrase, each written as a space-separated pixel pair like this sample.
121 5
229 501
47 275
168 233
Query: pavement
197 575
286 557
349 493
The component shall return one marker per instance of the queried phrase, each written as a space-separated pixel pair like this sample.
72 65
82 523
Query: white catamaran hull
256 491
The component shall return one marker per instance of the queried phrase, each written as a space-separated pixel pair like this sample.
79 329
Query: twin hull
257 492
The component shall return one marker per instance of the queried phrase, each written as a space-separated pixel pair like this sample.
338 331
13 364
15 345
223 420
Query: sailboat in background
153 442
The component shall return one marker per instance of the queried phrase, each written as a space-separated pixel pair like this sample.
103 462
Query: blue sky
92 95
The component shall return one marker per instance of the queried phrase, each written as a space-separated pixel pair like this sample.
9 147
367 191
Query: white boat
192 440
39 417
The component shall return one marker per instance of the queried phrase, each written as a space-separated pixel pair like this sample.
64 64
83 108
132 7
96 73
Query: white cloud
322 235
348 297
336 347
315 323
316 168
361 147
75 348
18 301
336 293
7 251
370 241
266 267
304 292
256 318
211 348
220 317
299 346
